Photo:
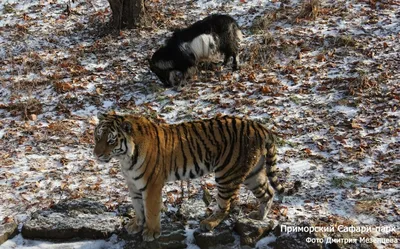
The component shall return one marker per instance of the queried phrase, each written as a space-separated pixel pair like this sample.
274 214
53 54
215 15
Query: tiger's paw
150 235
133 227
211 222
206 225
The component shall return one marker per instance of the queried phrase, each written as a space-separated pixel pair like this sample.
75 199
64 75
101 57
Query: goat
177 60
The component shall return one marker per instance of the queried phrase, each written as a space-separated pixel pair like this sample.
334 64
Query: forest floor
326 79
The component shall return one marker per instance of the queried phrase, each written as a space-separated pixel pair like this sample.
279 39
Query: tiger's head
112 138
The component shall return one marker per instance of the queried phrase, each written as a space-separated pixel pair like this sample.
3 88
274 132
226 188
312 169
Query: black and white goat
204 40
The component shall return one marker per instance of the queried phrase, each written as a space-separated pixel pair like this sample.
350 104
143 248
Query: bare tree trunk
116 8
128 14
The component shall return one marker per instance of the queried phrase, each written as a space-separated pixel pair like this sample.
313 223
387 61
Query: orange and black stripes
229 146
237 150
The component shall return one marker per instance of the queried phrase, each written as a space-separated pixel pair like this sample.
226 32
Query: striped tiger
237 150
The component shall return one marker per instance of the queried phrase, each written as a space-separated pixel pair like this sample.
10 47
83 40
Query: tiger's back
238 150
192 149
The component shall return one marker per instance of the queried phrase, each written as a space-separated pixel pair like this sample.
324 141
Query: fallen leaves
309 9
289 69
32 117
307 151
283 211
265 89
272 81
293 78
113 171
341 139
64 161
62 87
27 109
372 206
355 124
8 219
321 58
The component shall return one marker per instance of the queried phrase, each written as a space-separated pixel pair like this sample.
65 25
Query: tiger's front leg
136 224
152 211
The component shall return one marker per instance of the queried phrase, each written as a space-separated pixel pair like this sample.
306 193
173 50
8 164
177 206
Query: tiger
236 149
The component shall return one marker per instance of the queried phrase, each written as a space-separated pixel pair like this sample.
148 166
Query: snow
2 132
297 168
19 242
263 243
348 111
313 114
190 241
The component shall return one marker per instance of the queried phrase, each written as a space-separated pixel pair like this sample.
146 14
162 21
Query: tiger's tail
271 159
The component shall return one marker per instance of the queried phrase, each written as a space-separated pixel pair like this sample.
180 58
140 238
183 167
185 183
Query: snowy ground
329 86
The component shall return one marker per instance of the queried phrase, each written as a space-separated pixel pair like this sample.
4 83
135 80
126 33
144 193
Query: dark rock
172 237
250 231
72 220
82 206
220 237
126 210
8 231
341 245
298 240
319 240
295 240
343 236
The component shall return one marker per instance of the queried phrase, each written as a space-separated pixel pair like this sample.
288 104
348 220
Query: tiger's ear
126 127
101 116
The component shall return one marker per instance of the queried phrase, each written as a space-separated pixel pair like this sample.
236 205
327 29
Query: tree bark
128 14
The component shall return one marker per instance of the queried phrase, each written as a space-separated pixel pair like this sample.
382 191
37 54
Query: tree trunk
128 14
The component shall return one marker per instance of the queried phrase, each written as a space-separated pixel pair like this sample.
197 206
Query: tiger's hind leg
257 182
228 183
229 178
226 193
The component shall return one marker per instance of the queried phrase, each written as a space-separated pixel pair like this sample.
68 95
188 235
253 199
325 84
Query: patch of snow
45 48
263 243
297 168
18 242
364 179
2 132
348 111
190 240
